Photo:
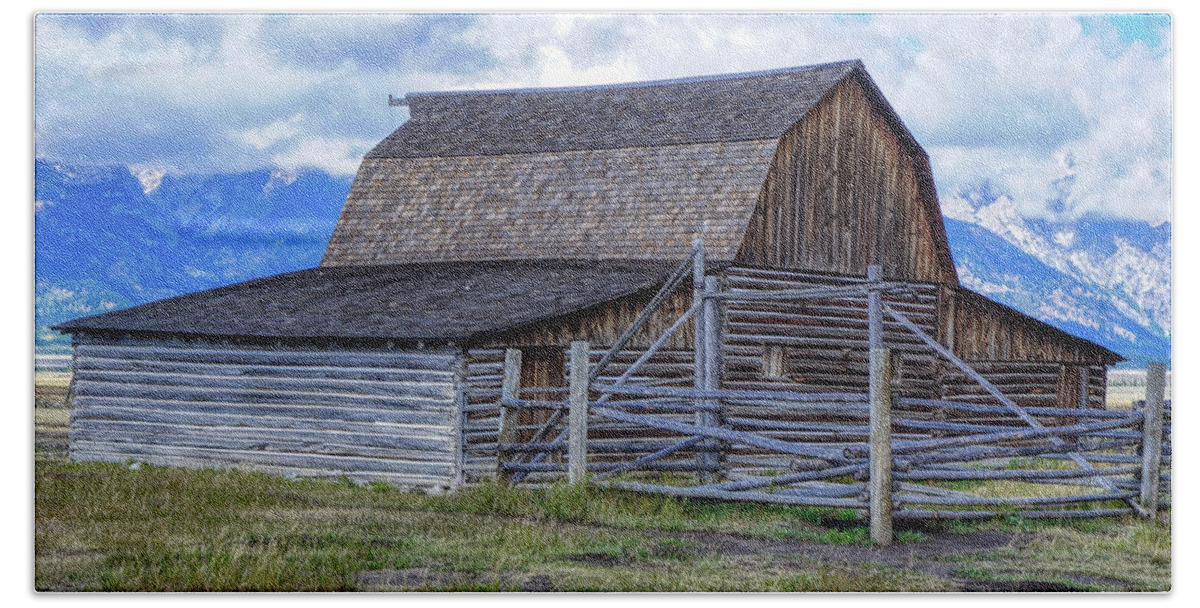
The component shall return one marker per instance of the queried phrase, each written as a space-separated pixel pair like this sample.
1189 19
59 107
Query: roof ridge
637 83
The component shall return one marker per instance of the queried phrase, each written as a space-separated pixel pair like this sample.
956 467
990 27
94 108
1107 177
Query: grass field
113 528
50 413
137 527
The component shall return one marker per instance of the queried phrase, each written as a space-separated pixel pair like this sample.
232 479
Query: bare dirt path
926 556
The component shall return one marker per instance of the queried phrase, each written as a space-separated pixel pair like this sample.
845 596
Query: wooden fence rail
885 456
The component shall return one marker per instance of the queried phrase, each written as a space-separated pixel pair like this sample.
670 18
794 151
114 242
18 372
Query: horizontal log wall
844 191
371 415
1098 386
824 349
1027 383
824 341
481 419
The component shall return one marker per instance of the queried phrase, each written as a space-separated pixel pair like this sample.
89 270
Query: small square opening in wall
774 361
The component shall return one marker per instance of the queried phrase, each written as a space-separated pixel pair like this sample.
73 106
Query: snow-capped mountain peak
1108 280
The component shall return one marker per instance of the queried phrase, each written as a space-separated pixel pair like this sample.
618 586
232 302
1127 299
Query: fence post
577 415
874 309
698 320
709 457
509 416
1152 432
881 446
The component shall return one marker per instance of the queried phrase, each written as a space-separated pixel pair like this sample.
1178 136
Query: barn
532 218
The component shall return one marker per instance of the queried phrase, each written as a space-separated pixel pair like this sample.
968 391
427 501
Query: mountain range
106 238
1104 279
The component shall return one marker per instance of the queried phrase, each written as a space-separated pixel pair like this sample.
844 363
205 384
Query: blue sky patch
1118 31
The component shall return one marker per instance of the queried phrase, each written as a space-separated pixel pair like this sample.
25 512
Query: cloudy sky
1064 113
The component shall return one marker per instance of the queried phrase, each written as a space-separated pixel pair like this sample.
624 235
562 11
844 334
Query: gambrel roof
632 171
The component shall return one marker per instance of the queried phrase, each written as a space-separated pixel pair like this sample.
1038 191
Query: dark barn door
541 367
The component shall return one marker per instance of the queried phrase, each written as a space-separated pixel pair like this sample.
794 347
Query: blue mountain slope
1098 236
102 243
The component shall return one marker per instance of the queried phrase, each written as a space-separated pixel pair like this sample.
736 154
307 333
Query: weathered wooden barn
531 218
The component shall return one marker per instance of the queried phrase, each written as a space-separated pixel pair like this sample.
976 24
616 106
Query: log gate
884 457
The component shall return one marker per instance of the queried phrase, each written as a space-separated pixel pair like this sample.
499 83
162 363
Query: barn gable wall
845 190
987 331
603 324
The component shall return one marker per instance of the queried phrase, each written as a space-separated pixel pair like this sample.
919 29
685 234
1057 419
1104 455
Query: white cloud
334 156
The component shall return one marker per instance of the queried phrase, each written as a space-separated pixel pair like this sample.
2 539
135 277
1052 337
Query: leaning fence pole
880 457
509 416
1152 437
668 289
577 413
1004 400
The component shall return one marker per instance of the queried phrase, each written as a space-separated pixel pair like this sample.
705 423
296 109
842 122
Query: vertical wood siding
541 367
371 415
844 192
602 324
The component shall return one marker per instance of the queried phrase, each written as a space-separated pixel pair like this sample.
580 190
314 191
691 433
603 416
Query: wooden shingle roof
738 107
631 171
452 301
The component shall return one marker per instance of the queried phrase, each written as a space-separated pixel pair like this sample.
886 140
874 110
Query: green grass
631 511
110 528
1122 554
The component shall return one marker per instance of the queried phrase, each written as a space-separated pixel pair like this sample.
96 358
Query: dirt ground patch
935 556
926 556
899 554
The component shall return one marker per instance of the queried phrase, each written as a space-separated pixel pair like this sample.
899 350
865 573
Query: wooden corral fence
886 456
